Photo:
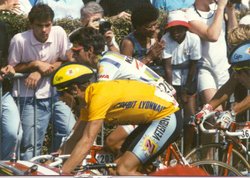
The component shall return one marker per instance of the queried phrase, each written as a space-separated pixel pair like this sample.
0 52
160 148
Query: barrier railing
17 77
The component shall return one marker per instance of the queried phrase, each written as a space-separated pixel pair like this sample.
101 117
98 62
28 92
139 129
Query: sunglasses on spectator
239 69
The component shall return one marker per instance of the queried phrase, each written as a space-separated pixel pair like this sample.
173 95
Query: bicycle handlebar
212 131
57 160
95 166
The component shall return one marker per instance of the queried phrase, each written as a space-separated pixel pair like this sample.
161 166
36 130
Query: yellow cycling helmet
72 73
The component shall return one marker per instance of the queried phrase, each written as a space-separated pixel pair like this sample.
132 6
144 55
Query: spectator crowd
190 54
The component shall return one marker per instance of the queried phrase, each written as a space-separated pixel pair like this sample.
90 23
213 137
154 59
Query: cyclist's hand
225 118
207 108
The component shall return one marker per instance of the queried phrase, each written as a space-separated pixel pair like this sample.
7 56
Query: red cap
176 18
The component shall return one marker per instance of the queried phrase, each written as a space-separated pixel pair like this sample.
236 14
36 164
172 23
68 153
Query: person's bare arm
127 47
223 93
36 70
154 53
109 36
242 106
71 142
168 70
83 146
231 17
42 67
212 32
122 15
191 74
13 7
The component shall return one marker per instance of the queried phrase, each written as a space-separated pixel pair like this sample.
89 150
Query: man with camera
92 16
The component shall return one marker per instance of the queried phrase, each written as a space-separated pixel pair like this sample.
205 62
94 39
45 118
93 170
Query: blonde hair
239 35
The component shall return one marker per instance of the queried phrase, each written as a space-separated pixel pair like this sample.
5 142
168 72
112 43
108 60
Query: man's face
77 89
243 76
149 29
83 56
77 93
41 30
178 33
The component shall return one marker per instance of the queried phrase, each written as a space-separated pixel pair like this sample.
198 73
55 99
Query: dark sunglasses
76 50
72 87
240 69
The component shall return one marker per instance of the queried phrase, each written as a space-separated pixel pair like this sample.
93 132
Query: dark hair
41 12
87 37
144 14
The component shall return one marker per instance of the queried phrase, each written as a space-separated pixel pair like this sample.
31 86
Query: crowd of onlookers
191 54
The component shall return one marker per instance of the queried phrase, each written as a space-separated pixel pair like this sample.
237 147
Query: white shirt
25 6
117 66
25 48
214 54
64 8
189 49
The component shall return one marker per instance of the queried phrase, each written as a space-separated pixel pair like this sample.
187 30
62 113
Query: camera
104 27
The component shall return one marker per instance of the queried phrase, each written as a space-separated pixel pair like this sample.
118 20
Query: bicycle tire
217 168
198 153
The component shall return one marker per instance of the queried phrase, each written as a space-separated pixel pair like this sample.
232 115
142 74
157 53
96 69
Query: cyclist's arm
242 106
83 146
223 93
77 133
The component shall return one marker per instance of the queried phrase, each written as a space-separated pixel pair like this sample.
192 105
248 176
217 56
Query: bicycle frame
230 150
236 142
175 151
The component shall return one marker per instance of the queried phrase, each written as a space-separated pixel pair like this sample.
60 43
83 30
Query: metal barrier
17 77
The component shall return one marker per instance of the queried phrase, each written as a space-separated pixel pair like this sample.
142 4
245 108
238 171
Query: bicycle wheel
217 168
218 152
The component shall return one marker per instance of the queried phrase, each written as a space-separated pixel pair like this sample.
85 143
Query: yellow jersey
126 102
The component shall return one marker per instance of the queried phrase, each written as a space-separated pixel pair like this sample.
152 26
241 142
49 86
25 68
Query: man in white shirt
39 52
206 19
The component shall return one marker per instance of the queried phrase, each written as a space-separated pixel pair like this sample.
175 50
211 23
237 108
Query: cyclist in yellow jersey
119 102
113 66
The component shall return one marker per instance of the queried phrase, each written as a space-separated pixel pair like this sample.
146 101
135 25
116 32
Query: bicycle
91 166
97 162
173 157
229 149
94 165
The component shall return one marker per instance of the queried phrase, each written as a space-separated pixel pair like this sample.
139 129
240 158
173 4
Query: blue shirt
33 2
170 5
